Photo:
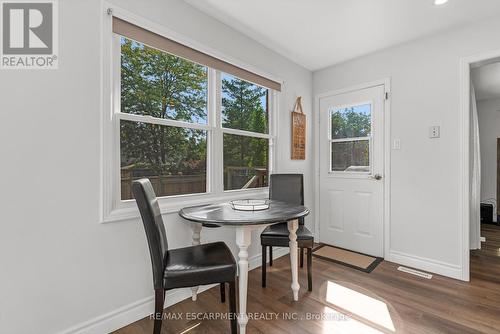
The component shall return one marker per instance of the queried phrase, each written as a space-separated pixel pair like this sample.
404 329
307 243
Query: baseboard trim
426 264
137 310
256 260
128 314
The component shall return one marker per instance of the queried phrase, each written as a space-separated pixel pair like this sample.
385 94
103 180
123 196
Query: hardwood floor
384 301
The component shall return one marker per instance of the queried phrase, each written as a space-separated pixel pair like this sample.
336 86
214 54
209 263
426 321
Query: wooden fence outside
169 185
166 185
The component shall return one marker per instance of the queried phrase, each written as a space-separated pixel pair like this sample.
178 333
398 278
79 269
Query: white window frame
115 209
341 140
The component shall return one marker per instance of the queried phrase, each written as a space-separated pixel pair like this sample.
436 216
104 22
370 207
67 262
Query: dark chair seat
277 235
183 267
199 265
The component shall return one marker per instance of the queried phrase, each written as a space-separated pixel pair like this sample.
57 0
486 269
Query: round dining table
244 222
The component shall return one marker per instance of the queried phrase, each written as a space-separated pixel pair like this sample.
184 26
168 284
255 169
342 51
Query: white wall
489 130
60 269
425 180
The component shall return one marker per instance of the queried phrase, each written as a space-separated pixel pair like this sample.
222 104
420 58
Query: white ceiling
486 81
319 33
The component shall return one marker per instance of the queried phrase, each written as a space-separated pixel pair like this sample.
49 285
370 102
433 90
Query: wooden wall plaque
298 131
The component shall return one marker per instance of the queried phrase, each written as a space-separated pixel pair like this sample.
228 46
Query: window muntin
350 138
244 105
246 162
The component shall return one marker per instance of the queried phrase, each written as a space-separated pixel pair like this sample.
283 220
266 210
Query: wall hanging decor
298 131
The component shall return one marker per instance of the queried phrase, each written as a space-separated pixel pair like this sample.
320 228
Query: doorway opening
484 164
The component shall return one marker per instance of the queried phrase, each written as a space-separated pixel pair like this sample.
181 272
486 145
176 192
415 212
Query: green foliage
242 109
162 149
352 122
157 84
348 123
154 83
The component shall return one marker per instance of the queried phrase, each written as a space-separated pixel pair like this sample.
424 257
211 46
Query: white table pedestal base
196 228
243 241
292 229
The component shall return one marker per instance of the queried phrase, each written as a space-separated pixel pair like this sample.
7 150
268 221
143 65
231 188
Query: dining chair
287 188
182 267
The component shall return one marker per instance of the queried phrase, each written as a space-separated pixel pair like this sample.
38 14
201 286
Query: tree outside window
160 87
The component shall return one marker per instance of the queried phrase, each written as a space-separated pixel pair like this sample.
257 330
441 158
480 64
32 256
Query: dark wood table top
223 214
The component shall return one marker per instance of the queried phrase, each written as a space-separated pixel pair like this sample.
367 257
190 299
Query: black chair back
153 226
287 188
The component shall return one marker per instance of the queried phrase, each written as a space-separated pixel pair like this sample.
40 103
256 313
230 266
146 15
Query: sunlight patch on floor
190 328
343 324
363 306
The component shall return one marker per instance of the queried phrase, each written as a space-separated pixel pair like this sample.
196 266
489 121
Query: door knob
377 177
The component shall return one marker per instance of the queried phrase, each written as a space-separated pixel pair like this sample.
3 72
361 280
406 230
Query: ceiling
486 80
320 33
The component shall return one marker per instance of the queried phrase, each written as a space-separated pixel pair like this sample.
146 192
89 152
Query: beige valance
156 41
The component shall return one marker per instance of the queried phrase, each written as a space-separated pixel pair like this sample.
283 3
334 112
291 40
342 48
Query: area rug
347 258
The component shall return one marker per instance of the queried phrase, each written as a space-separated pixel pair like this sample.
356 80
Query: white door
351 170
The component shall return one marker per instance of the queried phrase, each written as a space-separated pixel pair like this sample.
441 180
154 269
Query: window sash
194 126
250 169
341 140
344 140
161 121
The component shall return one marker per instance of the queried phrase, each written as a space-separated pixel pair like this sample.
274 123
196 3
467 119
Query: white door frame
387 154
464 134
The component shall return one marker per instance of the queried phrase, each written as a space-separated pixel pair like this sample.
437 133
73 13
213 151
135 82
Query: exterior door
351 170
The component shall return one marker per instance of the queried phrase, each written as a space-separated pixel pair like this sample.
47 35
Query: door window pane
245 162
351 156
173 158
155 83
351 122
244 105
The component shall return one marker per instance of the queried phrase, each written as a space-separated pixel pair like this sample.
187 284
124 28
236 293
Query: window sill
128 210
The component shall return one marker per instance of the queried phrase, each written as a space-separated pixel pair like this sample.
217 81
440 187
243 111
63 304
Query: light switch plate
434 131
396 145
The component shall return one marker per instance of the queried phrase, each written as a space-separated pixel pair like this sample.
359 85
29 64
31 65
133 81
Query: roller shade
156 41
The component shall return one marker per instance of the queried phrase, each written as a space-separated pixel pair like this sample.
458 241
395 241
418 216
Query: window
173 158
189 122
245 162
244 105
350 141
160 85
157 86
246 157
